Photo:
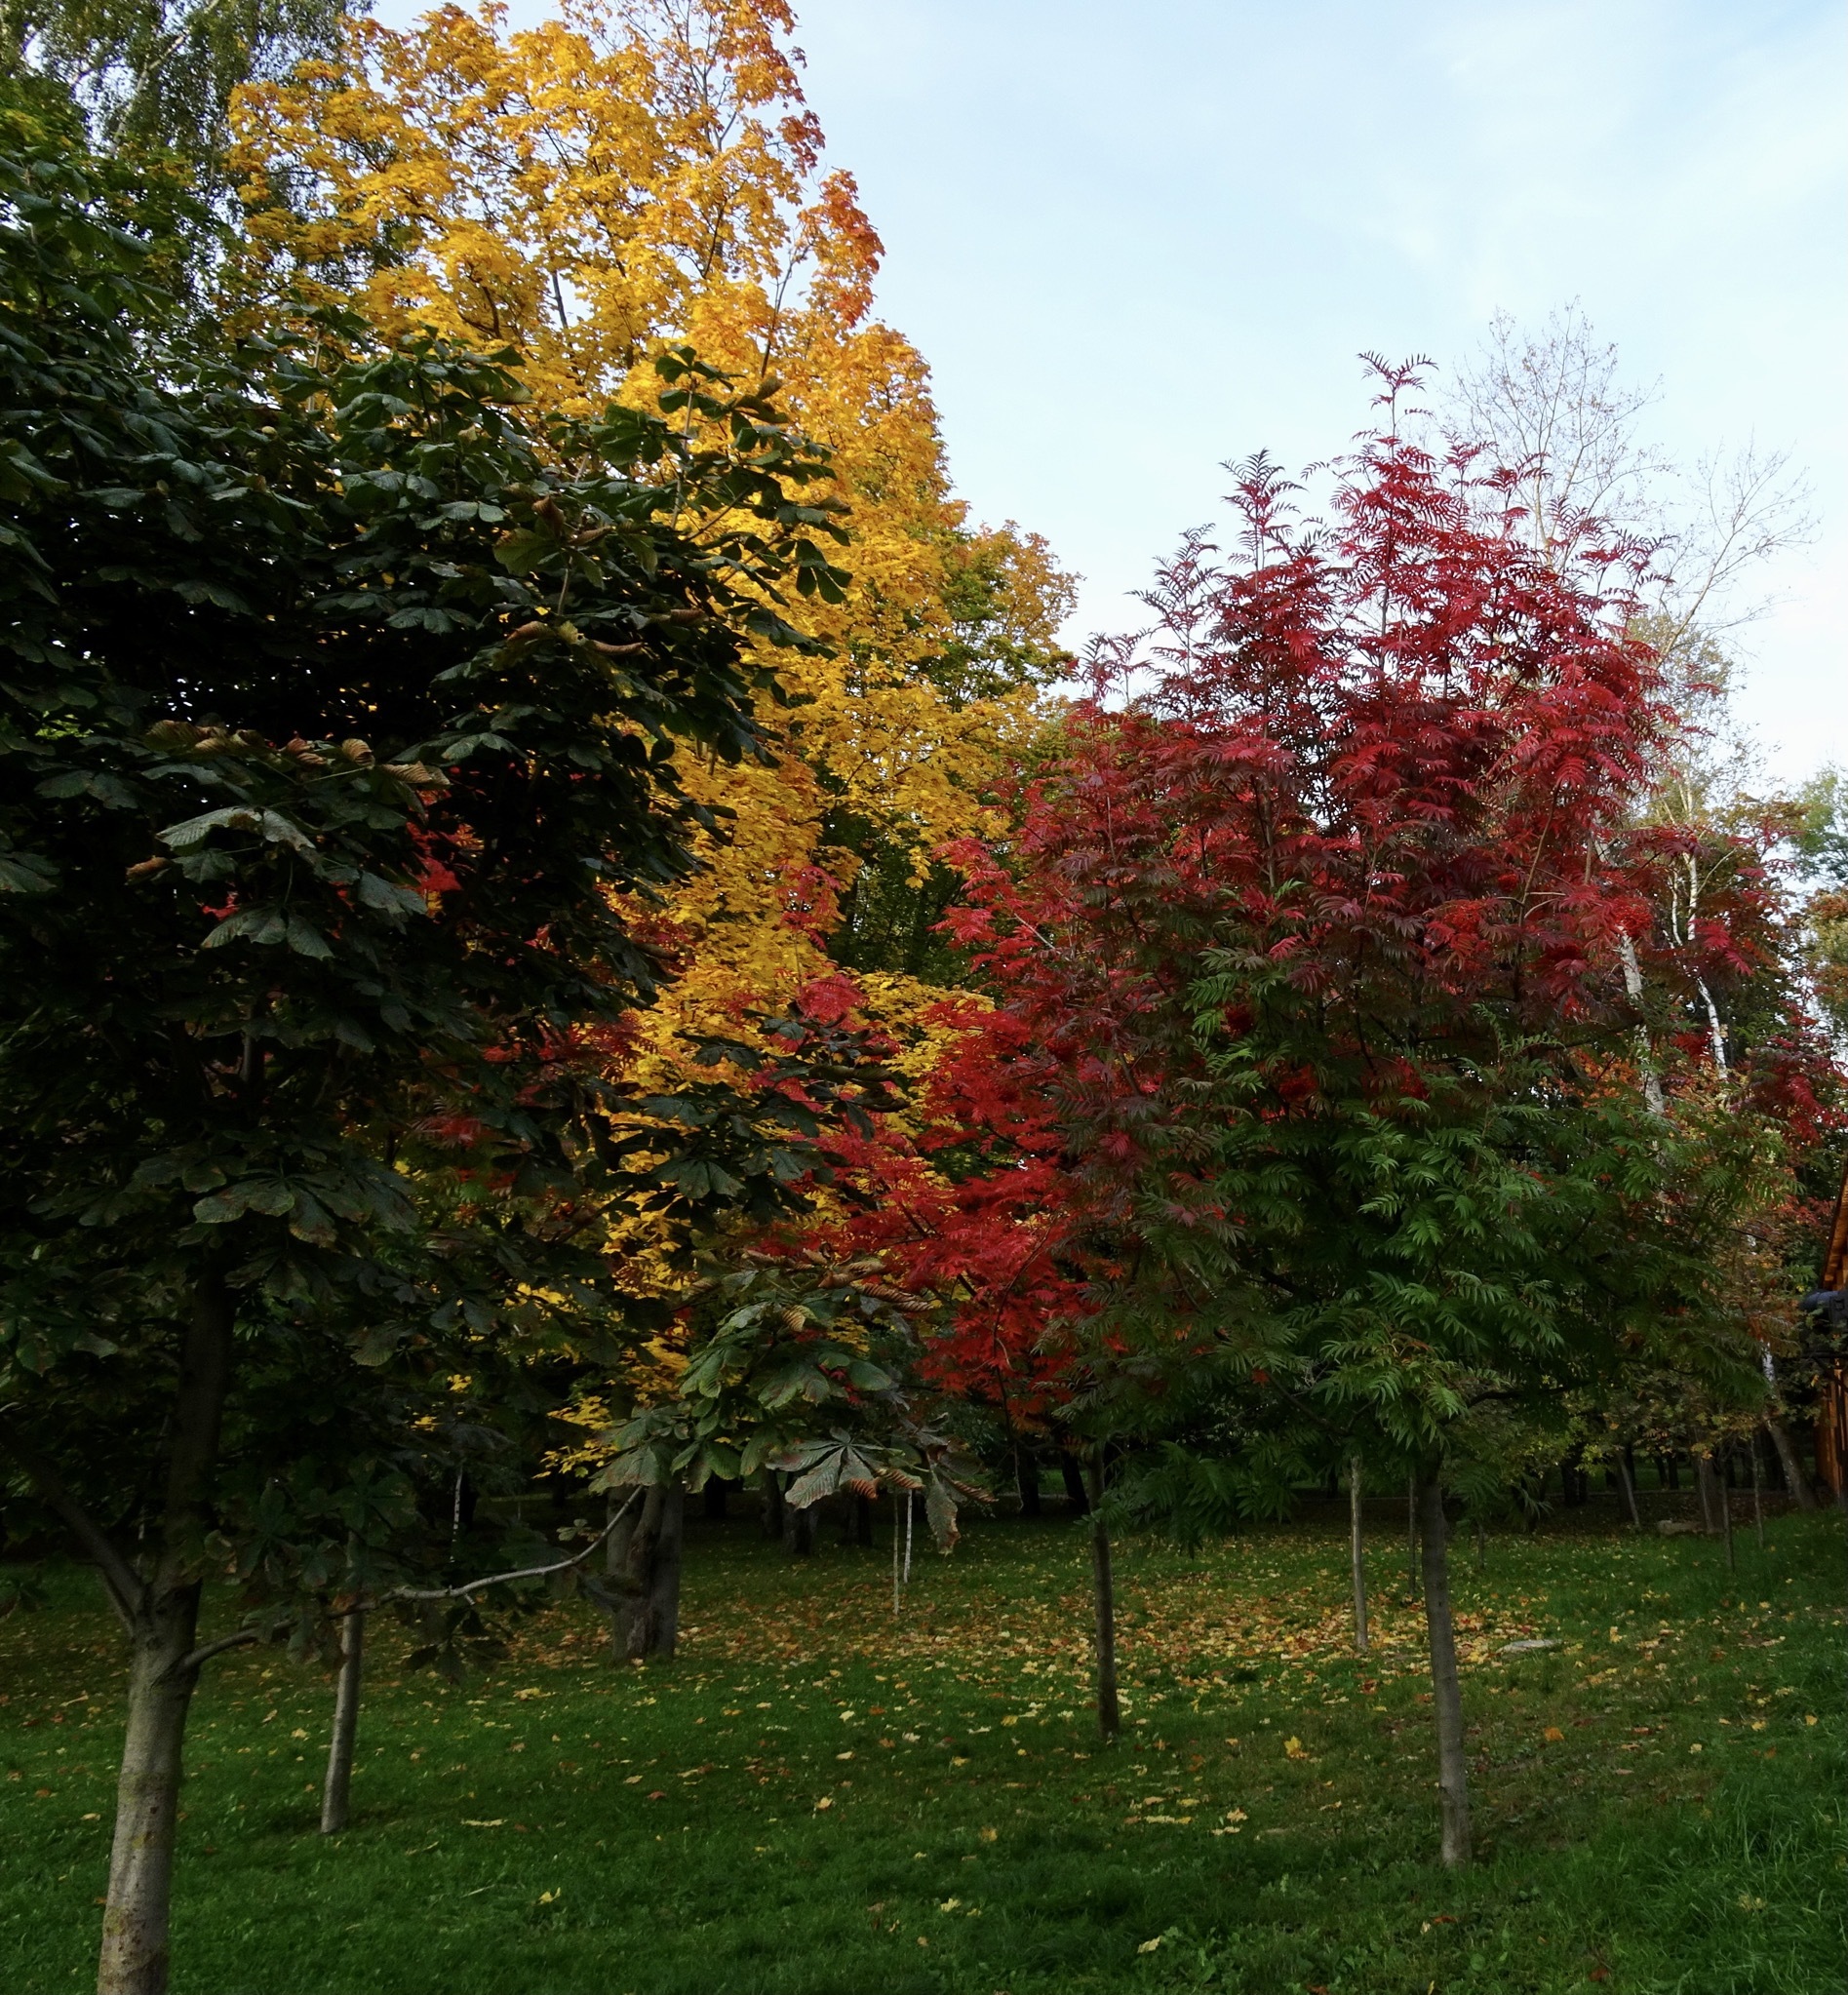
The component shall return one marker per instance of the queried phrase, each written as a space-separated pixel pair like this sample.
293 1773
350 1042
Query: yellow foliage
629 177
624 179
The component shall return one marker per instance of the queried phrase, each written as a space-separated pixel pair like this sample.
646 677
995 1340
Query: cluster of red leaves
1388 769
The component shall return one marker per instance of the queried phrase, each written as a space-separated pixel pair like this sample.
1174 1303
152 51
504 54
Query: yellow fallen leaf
1293 1749
1150 1946
988 1834
826 1801
1553 1734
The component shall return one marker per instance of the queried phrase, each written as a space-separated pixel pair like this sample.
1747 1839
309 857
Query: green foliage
339 703
805 1367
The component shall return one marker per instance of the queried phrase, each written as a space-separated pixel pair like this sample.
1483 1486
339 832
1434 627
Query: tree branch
240 1639
120 1580
524 1573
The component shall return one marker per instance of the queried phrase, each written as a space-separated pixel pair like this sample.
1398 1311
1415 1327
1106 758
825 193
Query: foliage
1307 967
341 705
806 1368
622 179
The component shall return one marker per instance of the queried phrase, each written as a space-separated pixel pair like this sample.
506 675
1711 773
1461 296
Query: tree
626 177
1309 946
339 701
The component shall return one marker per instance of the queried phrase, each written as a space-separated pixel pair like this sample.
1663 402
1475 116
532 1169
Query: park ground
818 1796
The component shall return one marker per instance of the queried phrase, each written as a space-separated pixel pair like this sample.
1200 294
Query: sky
1134 242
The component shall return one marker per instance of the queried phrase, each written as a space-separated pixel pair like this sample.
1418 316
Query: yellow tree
633 176
630 177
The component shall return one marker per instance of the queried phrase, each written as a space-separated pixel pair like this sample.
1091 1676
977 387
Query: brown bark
1355 1552
1103 1600
346 1695
1795 1479
163 1669
1073 1478
1027 1480
646 1619
1707 1484
1757 1493
1446 1689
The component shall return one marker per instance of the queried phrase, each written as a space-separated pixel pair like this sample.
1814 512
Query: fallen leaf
1150 1946
1553 1734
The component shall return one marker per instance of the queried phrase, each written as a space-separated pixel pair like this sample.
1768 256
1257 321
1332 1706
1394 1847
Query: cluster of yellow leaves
629 177
626 178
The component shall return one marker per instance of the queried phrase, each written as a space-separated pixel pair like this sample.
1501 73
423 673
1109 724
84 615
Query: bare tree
1554 405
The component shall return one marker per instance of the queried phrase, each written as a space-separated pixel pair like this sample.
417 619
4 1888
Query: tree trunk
1629 1491
799 1529
339 1781
663 1633
863 1520
1074 1481
772 1504
1446 1690
1706 1482
1104 1596
1725 1496
645 1621
716 1492
1757 1493
1794 1480
1355 1550
1027 1477
1411 1535
134 1920
162 1675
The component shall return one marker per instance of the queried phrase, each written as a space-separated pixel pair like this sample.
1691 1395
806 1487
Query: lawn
819 1797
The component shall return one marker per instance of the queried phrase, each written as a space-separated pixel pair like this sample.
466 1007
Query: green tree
338 714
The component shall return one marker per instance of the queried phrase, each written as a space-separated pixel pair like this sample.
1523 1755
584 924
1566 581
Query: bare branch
123 1584
506 1578
241 1638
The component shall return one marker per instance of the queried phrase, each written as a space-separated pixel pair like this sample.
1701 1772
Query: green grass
814 1798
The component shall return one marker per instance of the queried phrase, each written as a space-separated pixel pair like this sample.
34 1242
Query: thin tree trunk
1757 1493
346 1695
1446 1690
1355 1552
863 1520
1074 1481
1027 1477
1411 1535
1725 1497
1630 1493
1104 1596
162 1674
1795 1479
1481 1547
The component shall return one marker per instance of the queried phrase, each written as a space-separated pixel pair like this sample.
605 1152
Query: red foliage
1393 763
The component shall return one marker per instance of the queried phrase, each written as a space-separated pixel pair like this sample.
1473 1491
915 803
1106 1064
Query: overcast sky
1134 241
